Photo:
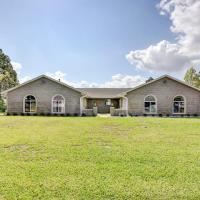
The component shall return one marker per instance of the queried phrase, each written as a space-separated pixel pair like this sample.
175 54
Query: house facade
162 96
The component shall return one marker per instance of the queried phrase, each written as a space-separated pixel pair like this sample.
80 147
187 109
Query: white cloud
185 17
57 75
24 79
16 66
124 81
163 56
118 80
62 76
171 57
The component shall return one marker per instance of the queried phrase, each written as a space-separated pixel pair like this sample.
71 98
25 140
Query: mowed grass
99 158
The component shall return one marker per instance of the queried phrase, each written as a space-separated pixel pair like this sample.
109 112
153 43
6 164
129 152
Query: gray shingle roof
103 92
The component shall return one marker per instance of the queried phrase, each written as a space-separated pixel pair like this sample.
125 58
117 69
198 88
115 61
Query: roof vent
43 81
59 79
164 81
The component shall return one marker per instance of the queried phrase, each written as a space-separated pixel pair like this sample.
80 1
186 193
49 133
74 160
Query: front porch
112 106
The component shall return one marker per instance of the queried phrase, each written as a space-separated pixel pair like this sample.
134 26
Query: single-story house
164 95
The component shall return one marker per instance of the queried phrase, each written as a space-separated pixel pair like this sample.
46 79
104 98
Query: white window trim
150 113
179 101
24 103
52 99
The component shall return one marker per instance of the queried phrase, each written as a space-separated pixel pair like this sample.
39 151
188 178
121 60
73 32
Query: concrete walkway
103 115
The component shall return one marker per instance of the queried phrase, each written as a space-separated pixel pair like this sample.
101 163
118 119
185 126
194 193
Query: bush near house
2 105
99 158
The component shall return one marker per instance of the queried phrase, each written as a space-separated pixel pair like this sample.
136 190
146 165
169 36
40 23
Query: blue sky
83 39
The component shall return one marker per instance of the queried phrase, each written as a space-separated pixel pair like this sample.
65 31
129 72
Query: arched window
179 105
58 104
150 104
30 104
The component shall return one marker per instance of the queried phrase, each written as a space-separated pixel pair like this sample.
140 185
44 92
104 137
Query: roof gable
39 77
160 78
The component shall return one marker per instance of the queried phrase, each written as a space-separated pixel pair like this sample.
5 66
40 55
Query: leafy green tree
8 76
192 77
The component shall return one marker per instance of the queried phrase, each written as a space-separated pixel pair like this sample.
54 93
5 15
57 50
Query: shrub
182 115
75 114
195 115
144 115
8 114
83 115
167 115
188 115
160 115
15 114
2 105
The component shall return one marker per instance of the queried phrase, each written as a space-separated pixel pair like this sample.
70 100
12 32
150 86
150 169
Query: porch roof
103 93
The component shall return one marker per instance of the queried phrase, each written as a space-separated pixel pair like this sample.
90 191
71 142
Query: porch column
82 104
125 104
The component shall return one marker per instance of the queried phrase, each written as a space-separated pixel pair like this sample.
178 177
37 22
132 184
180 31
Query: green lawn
99 158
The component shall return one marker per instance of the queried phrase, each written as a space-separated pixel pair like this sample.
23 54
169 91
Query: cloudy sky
101 43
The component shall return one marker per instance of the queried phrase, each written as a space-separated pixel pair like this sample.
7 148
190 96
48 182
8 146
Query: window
179 105
58 104
108 102
29 104
150 104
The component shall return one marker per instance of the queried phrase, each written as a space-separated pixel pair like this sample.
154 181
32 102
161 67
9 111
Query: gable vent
164 81
43 81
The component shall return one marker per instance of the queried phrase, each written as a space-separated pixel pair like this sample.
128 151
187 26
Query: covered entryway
103 105
104 101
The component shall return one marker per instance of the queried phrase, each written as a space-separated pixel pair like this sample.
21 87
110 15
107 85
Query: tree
149 79
192 77
2 105
8 76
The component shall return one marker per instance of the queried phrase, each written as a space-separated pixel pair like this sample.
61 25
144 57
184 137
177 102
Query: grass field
99 158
